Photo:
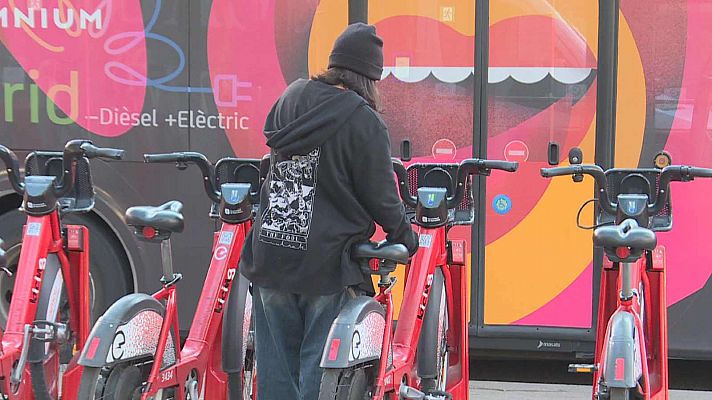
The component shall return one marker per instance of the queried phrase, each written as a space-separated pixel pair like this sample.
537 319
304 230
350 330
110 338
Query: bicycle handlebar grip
501 165
163 157
558 171
91 151
700 172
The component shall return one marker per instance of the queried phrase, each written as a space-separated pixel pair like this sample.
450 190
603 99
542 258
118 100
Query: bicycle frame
202 349
42 238
651 333
404 341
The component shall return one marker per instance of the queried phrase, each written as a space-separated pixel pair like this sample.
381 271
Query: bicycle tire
91 376
619 393
52 286
344 384
432 355
238 326
241 385
137 305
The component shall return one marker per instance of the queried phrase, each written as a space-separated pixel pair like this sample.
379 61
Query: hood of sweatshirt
308 114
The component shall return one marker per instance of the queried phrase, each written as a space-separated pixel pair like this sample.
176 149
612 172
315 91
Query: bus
522 80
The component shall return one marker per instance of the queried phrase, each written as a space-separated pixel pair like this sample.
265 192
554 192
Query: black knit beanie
360 50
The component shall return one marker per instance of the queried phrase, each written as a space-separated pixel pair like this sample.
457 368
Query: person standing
330 180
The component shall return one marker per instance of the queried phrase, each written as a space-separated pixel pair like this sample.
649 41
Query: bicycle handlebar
472 166
91 151
12 166
198 159
73 151
670 173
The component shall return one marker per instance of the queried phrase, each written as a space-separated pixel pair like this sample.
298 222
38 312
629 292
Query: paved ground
530 391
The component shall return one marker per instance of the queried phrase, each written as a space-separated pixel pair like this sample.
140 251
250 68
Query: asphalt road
489 390
549 380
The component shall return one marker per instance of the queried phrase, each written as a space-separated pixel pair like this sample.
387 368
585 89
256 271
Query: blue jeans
290 333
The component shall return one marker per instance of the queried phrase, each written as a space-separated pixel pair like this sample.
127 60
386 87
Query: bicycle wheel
242 385
119 367
355 383
44 358
619 394
122 381
238 342
432 353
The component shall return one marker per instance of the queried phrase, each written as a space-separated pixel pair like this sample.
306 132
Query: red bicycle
631 359
426 355
50 312
120 356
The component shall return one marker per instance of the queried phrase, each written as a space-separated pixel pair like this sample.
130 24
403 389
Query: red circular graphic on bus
516 150
444 148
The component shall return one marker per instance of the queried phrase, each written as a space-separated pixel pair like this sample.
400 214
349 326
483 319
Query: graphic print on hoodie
287 218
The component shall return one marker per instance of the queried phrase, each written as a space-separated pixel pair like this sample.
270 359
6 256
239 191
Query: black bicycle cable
578 217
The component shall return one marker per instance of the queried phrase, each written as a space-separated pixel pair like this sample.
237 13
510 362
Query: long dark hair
360 84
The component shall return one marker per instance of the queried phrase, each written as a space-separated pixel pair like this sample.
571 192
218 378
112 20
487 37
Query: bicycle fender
622 357
356 335
128 330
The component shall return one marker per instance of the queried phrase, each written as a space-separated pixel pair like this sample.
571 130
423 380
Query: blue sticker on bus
502 204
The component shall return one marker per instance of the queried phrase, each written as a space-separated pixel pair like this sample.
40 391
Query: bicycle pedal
583 368
47 331
407 392
438 395
410 393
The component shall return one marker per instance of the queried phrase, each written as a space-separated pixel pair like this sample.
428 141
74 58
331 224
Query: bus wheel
109 269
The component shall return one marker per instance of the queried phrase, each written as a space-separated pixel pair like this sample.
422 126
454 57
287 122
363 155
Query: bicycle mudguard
236 326
623 364
356 335
128 330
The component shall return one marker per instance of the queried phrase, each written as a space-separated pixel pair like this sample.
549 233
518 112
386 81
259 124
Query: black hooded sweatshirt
330 178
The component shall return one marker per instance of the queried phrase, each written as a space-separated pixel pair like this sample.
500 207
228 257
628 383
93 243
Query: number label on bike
37 281
424 298
166 375
224 290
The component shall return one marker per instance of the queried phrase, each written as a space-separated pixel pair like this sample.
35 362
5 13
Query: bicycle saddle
166 217
395 252
627 234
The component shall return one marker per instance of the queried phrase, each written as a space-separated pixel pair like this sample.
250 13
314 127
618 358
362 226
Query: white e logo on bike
356 345
220 253
117 346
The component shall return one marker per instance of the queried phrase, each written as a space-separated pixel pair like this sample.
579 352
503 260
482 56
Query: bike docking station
631 353
426 355
152 362
50 312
